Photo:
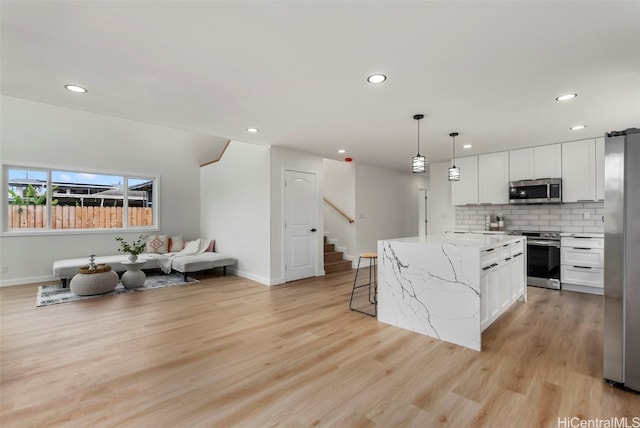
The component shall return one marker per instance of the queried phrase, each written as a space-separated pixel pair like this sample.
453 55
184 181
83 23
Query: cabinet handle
489 250
507 259
494 264
487 267
581 248
517 255
582 267
580 237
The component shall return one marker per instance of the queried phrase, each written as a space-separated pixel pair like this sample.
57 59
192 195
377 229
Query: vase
133 257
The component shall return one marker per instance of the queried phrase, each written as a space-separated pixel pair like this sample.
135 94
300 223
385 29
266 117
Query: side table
134 277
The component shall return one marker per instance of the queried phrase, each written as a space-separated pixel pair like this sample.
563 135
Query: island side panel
431 289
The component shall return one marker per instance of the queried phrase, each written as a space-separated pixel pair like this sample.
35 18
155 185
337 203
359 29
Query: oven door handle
544 243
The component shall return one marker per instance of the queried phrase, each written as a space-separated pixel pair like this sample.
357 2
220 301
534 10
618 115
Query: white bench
67 268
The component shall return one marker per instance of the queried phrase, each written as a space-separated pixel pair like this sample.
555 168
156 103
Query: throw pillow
212 246
176 243
158 244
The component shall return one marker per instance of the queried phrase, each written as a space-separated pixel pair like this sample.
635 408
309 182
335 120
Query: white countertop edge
582 234
479 241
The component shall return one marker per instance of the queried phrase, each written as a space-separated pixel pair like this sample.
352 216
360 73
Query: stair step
329 247
332 256
338 266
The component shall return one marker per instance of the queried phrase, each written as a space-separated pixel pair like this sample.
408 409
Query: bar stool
372 284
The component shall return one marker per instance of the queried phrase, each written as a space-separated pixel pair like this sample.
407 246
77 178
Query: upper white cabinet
521 164
600 168
536 162
583 170
579 171
547 161
465 191
493 178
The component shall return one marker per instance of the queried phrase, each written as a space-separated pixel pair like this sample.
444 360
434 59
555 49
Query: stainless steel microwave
543 191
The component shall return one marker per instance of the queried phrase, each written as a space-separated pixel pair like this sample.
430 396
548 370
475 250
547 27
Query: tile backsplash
571 217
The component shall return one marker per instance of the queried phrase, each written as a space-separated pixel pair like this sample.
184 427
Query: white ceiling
297 70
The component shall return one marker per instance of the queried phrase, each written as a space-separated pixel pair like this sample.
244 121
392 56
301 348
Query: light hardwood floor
231 352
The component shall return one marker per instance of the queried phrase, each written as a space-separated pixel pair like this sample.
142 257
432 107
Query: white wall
442 211
39 134
282 159
386 205
235 201
340 189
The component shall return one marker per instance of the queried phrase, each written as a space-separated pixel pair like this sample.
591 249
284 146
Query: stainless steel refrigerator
622 259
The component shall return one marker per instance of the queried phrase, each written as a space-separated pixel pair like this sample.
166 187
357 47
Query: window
45 199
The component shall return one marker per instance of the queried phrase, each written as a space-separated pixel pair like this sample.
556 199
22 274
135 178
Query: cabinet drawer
591 277
489 256
517 247
582 256
573 241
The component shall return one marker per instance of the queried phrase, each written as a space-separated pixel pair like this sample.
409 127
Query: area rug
54 293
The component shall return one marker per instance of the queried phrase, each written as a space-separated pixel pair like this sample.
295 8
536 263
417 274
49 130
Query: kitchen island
451 287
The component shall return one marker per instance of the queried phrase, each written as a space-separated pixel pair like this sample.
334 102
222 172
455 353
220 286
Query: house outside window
48 199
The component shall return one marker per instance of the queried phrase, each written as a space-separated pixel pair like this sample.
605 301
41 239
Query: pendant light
454 171
419 162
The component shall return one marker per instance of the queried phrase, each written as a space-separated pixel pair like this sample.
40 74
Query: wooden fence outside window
73 217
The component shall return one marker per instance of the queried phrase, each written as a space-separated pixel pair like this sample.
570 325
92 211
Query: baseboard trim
31 280
257 278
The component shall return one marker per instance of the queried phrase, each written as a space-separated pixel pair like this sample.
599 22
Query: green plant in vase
135 248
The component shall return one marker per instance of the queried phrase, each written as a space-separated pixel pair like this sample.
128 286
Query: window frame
48 170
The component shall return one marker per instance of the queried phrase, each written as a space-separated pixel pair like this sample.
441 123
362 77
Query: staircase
333 261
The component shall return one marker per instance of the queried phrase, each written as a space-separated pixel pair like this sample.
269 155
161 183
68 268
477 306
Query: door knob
313 230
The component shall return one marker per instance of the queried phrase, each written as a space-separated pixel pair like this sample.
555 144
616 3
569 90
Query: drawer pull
582 267
507 259
487 267
489 250
581 248
517 255
581 237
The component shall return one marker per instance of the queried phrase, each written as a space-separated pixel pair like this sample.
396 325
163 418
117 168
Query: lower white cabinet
502 280
582 264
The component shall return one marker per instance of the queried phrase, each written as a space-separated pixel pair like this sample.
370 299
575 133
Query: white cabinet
502 280
600 168
547 161
493 178
579 171
521 164
465 191
582 264
536 162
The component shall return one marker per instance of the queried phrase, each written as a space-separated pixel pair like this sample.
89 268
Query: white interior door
300 225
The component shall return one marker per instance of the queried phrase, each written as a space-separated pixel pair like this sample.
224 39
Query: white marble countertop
461 240
583 234
478 231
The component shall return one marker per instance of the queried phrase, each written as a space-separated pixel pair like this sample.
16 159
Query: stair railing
349 219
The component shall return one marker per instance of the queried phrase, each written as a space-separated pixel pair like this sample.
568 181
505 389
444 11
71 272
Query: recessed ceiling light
252 130
75 88
376 78
575 128
566 97
342 151
467 146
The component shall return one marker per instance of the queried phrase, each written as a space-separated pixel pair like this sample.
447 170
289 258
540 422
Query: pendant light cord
454 151
418 137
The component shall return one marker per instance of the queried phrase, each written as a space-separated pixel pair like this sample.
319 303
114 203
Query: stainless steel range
543 258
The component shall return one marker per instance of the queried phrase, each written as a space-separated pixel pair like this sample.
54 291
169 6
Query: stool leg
373 282
368 285
354 285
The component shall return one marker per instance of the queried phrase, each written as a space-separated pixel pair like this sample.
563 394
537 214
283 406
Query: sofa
159 256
